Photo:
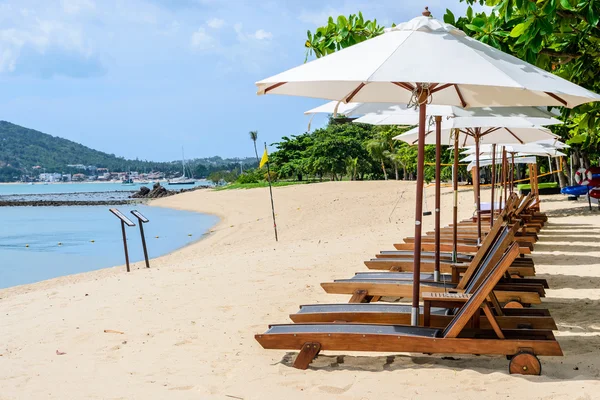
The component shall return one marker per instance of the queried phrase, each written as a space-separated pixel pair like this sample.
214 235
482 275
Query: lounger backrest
464 315
484 268
524 204
487 243
505 239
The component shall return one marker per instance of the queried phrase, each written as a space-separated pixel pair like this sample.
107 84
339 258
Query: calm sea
38 243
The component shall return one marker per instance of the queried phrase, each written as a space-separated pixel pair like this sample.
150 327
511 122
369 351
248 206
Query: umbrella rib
557 98
489 131
275 86
354 93
437 89
515 136
460 96
405 85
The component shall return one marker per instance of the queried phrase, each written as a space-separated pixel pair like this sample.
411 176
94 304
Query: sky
144 78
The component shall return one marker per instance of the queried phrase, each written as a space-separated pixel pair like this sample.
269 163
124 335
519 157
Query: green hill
21 149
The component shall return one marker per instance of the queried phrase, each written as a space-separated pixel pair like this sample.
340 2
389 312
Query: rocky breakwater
159 191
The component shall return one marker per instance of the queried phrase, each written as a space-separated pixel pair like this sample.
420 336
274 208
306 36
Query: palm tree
377 149
254 137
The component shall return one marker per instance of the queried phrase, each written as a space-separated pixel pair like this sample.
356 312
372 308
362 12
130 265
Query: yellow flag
264 159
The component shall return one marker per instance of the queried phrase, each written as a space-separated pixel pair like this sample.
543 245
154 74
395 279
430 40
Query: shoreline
189 321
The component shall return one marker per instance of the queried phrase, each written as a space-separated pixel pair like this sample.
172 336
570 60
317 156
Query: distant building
66 178
50 177
78 177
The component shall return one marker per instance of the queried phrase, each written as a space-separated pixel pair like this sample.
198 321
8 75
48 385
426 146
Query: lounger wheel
513 304
525 363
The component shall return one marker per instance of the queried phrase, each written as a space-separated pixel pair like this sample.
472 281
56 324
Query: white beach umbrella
533 148
488 161
469 136
518 117
356 109
389 68
403 66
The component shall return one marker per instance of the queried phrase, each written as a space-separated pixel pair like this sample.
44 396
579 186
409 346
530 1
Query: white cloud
242 36
261 34
77 6
202 40
215 23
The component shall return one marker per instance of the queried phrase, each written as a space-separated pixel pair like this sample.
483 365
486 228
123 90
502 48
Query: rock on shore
159 191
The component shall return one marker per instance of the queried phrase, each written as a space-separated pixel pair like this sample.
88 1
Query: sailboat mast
183 162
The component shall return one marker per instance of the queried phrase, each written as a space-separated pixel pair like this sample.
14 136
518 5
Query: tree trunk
256 152
383 168
562 179
404 173
396 170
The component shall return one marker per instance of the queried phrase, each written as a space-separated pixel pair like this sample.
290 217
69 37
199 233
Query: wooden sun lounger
523 346
404 262
370 287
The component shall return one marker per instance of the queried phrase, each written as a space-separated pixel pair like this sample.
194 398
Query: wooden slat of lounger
379 288
406 265
436 320
412 344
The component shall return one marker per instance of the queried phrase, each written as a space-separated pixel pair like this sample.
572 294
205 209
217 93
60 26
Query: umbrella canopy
486 135
396 65
355 109
487 162
520 117
533 148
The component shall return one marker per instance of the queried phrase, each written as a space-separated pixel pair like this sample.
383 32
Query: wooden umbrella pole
419 211
455 206
477 187
501 178
438 195
512 173
504 166
493 183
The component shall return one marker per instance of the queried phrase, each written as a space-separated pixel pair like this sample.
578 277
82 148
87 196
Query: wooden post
419 210
455 206
438 195
493 183
476 183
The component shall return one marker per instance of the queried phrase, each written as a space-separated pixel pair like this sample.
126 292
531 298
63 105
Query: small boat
127 182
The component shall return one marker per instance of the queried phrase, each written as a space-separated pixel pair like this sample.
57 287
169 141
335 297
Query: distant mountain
22 149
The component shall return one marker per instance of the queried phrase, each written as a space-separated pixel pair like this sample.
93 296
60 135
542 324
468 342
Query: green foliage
340 33
223 176
260 184
561 36
250 176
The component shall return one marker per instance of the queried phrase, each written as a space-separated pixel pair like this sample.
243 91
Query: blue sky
141 78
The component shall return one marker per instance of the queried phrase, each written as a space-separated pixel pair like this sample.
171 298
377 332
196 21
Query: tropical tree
254 137
340 33
352 167
561 36
378 150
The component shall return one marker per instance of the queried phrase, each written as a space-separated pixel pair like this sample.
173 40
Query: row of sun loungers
480 304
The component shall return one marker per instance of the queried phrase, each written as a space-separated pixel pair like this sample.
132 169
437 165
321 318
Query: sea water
80 191
38 243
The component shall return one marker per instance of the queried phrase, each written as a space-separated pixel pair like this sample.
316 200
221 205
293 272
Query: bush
273 176
250 176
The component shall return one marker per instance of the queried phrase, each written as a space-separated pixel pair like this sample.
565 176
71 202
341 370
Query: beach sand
188 323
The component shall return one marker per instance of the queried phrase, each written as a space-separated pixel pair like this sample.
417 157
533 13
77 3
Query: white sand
189 321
